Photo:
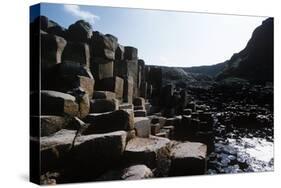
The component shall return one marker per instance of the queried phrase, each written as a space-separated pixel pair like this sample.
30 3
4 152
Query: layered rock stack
95 117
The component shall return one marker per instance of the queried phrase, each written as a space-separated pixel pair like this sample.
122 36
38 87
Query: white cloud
75 10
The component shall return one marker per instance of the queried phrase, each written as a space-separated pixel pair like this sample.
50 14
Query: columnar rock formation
103 110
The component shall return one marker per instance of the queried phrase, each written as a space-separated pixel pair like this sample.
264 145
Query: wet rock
109 121
188 158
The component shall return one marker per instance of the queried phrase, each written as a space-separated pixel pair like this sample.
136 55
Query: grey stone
188 158
148 151
136 172
142 126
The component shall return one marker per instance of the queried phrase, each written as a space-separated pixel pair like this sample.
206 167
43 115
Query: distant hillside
255 61
178 75
209 70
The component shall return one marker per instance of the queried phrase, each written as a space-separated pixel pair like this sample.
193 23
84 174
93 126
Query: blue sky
167 38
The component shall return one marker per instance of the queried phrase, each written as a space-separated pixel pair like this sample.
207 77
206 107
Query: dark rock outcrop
255 61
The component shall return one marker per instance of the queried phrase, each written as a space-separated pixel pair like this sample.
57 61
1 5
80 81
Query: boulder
188 158
142 126
103 105
92 155
77 52
130 53
57 103
80 31
152 151
130 68
109 121
52 47
114 84
101 68
104 95
136 172
103 46
55 148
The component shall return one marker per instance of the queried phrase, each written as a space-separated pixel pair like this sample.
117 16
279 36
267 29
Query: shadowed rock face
255 62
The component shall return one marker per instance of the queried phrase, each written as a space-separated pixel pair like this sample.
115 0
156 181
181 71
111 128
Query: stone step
152 151
58 103
103 105
188 158
104 95
109 121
